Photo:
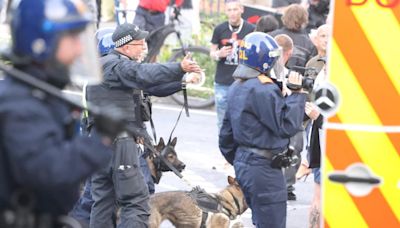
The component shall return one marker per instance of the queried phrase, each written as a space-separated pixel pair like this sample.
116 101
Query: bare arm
217 54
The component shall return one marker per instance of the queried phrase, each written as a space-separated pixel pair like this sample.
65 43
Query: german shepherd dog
182 210
155 164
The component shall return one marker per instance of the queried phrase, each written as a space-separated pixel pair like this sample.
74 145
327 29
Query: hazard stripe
396 12
365 64
341 211
375 149
385 45
367 120
326 225
341 154
340 151
375 211
356 101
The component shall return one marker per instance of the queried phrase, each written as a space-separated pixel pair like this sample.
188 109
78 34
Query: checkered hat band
124 40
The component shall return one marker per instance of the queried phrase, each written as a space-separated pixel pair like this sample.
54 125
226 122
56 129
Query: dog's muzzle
181 167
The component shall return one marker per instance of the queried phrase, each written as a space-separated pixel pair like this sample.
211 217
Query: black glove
109 122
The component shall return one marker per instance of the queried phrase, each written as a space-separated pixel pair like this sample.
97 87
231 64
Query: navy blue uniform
122 182
115 67
258 116
39 151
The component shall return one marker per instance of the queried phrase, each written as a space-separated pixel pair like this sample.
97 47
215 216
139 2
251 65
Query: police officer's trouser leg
264 188
103 195
144 168
83 207
130 188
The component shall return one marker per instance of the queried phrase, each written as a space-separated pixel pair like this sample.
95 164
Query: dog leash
176 123
187 182
169 140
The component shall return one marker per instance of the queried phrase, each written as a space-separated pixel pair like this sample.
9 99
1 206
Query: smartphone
229 43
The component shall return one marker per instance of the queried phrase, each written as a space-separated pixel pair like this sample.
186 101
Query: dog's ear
173 142
160 145
232 181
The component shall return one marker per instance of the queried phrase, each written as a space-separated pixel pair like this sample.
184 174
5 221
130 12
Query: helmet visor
86 68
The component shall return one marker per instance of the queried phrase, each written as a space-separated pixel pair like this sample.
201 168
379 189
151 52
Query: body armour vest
102 96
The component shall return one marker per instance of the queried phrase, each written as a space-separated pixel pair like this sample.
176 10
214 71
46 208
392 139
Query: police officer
257 127
42 161
82 208
122 182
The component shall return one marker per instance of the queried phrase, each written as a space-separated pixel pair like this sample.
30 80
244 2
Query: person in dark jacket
42 160
266 24
121 182
257 126
318 11
295 19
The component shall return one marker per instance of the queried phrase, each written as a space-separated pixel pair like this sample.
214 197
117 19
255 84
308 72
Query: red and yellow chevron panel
364 66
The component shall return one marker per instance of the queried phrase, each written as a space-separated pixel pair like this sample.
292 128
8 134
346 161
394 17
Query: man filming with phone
224 49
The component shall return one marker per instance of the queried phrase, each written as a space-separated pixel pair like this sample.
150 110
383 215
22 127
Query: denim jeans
221 102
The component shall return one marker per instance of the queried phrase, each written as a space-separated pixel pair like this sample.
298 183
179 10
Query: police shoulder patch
264 79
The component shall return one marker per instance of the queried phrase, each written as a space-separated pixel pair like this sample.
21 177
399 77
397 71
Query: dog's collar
228 212
236 202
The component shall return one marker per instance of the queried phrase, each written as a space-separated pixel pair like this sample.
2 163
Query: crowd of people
265 116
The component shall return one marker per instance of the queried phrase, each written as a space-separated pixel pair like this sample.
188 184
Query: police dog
155 164
182 210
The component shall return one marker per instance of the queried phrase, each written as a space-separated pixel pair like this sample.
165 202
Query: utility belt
152 12
262 152
278 160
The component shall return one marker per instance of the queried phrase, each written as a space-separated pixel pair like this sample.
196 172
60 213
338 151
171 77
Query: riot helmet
37 25
258 53
102 32
39 29
104 40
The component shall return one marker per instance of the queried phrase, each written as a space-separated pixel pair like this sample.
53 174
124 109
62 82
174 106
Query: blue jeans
317 175
221 102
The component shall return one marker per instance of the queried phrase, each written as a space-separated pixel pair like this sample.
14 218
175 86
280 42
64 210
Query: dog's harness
211 203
